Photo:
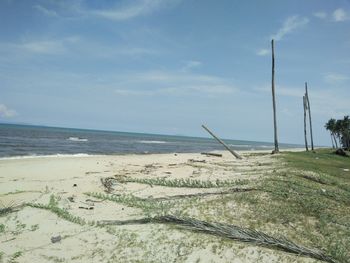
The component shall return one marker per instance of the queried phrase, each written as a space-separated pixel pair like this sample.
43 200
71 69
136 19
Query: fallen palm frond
231 232
186 183
147 205
314 179
60 212
108 184
230 191
8 208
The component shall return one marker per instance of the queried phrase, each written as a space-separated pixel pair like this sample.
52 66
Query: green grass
313 195
308 202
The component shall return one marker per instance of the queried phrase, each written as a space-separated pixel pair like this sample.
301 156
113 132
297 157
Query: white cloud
321 15
74 45
5 112
290 24
340 15
46 11
122 10
191 64
324 102
282 91
176 83
263 52
335 78
43 47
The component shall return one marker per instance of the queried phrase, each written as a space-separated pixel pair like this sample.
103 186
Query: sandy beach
74 182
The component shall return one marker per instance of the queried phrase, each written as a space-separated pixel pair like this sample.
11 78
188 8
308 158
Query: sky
168 66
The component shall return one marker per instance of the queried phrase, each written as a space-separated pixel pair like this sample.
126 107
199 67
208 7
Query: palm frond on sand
231 232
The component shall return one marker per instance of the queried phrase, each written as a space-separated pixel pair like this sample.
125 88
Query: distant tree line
340 132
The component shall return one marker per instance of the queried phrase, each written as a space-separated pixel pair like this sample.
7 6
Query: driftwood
228 231
212 154
276 150
224 144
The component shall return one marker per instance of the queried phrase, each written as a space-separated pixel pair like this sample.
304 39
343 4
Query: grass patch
310 200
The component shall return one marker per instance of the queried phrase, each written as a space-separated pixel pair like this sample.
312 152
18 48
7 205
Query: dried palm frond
231 232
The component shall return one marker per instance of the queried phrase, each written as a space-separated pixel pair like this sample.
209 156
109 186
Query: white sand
35 179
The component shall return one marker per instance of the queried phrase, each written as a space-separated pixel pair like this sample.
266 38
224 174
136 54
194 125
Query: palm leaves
339 130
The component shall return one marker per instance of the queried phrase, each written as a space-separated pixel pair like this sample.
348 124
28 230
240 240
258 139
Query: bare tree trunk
335 140
224 144
332 140
308 107
305 135
276 150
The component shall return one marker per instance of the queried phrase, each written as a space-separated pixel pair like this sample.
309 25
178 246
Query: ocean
27 140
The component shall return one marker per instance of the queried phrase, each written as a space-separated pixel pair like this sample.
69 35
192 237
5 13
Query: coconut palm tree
330 126
346 132
338 131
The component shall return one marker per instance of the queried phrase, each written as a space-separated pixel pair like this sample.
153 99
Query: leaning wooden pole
305 135
309 110
224 144
276 150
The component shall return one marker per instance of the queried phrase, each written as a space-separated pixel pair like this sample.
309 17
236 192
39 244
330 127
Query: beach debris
167 172
346 170
55 239
232 232
197 161
94 201
108 183
8 208
91 172
212 154
172 164
71 199
224 144
75 185
86 208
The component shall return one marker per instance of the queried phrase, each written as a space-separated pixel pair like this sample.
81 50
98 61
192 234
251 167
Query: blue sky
167 66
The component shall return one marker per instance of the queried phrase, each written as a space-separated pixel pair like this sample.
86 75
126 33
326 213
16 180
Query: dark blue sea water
25 140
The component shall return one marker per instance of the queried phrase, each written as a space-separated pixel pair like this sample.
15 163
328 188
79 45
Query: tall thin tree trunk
332 139
308 107
305 135
276 150
335 140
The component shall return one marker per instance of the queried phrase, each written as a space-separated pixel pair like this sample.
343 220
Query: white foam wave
45 156
152 142
240 145
77 139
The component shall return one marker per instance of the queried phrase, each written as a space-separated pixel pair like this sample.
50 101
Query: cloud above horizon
335 78
339 15
123 10
320 14
6 112
291 24
175 83
263 52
